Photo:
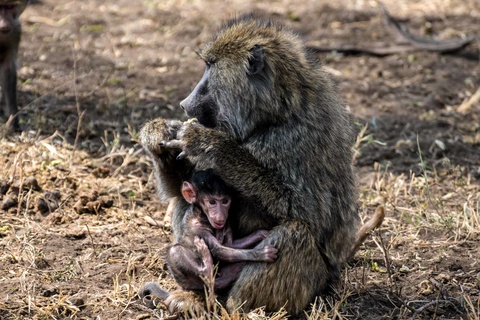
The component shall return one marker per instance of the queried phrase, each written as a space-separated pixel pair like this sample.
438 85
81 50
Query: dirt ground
81 228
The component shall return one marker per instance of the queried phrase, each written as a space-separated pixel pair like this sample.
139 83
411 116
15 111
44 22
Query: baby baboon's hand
268 253
207 260
200 245
261 234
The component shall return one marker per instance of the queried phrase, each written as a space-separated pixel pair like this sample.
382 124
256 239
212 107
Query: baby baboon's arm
250 240
266 254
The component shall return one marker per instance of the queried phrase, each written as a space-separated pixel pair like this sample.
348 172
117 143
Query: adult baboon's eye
209 62
256 61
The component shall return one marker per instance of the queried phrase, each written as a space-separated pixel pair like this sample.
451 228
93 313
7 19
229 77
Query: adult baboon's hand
200 145
156 131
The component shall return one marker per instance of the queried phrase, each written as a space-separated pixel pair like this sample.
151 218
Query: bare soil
81 228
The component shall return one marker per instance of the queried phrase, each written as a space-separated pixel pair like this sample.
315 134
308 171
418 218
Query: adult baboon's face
200 103
223 91
238 91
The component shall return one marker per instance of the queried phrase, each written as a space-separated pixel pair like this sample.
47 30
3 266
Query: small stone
4 186
42 206
32 183
77 301
10 201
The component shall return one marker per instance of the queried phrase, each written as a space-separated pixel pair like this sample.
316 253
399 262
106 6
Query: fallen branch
352 50
413 42
400 30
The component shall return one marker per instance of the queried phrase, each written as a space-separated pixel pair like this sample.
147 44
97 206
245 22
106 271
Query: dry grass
434 211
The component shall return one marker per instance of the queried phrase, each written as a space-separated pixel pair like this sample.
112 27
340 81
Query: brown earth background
81 228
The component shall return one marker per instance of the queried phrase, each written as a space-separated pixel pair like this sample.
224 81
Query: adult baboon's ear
256 62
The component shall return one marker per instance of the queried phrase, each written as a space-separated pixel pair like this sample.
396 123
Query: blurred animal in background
10 33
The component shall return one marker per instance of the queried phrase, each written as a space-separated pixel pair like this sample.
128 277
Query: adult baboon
273 128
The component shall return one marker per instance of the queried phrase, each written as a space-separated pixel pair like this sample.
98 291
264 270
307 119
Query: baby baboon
273 128
10 31
208 234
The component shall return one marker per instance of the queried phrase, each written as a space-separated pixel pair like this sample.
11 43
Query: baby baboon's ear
256 62
189 192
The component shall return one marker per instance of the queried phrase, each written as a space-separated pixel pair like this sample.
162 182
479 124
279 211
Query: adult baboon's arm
169 172
208 148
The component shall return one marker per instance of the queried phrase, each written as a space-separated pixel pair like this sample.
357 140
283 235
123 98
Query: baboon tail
373 223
